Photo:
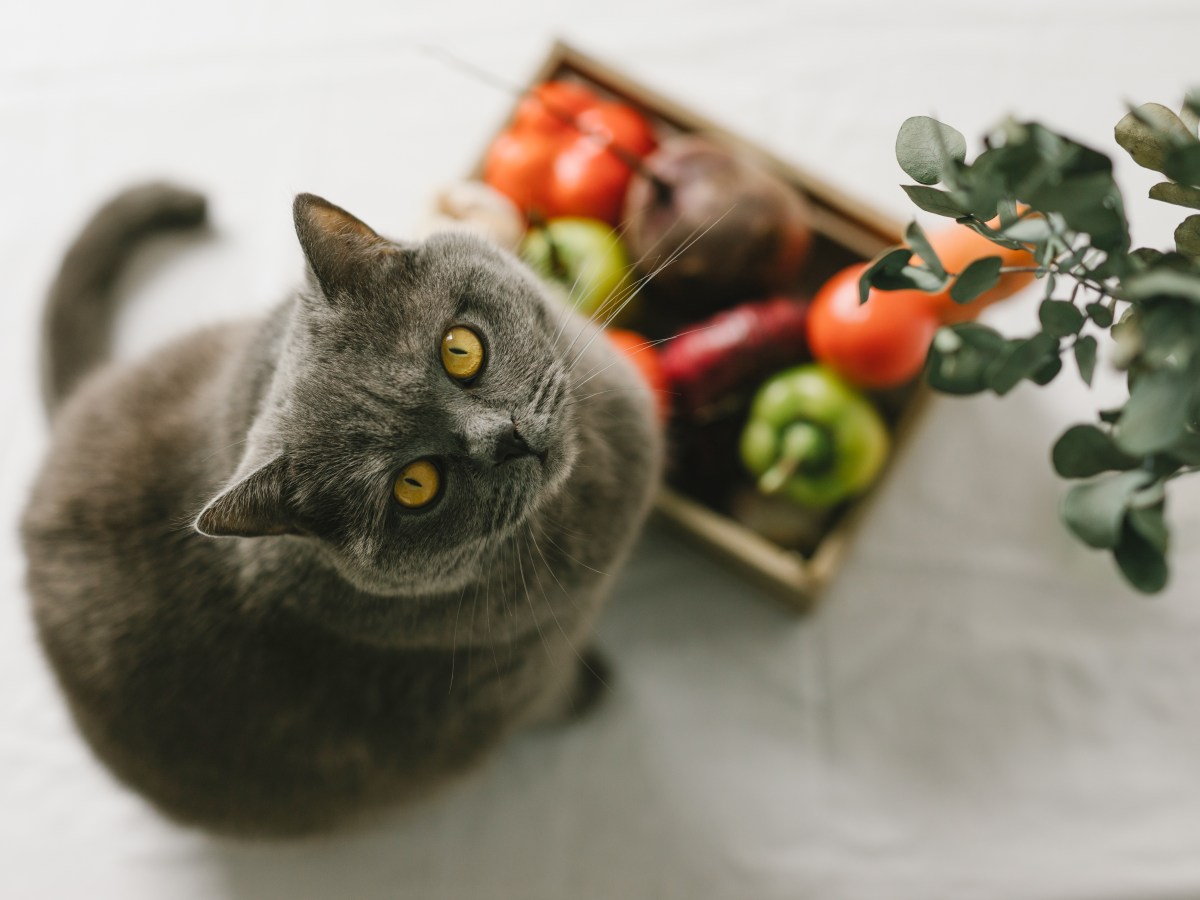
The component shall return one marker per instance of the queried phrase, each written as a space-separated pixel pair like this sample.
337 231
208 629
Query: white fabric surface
979 709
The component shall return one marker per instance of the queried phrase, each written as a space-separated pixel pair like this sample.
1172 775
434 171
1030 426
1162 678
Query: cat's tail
81 304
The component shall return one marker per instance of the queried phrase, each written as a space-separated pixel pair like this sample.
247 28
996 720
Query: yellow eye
417 485
462 353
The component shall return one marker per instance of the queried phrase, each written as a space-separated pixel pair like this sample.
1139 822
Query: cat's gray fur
249 630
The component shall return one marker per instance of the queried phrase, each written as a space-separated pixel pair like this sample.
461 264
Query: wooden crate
845 230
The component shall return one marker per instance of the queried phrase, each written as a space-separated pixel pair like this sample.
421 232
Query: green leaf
916 278
1187 449
1047 371
1187 236
1090 204
1179 194
927 150
940 203
1190 118
1148 133
890 262
1183 164
1149 522
1084 451
1085 358
1161 282
1141 560
1030 230
996 237
1022 360
1060 318
1095 511
1100 314
978 277
1155 414
960 357
916 238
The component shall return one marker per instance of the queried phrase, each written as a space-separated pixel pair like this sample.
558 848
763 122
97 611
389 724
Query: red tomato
643 354
878 344
558 158
550 106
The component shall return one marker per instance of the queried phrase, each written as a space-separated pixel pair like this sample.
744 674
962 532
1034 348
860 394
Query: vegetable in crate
740 345
644 355
881 341
586 260
569 152
813 438
719 224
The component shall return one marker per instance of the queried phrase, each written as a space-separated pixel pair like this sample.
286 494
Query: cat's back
133 452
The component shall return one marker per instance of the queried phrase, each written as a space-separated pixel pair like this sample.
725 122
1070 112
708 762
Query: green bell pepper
813 438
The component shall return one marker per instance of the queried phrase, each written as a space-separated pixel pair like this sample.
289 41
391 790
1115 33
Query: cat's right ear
255 506
340 249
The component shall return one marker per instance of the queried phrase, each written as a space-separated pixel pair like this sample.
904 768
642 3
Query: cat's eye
462 353
417 484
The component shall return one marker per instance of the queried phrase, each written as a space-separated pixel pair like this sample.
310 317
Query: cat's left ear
255 506
340 248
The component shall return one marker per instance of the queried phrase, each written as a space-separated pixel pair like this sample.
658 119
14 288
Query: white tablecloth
979 709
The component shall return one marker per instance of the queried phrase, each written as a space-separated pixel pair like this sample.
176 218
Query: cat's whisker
641 283
536 622
638 348
454 636
572 558
557 622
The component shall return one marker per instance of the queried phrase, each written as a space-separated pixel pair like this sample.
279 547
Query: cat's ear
339 248
254 506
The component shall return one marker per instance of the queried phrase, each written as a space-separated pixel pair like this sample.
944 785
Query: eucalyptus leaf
1148 521
1187 236
915 278
992 234
1029 230
1187 449
1146 134
1089 203
1160 282
960 357
1154 416
1190 118
1085 358
1022 360
1095 510
1141 561
940 203
927 149
1047 371
1183 164
890 262
1179 194
916 238
1100 314
978 277
1060 318
1084 451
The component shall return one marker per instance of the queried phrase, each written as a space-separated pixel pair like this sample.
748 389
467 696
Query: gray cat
295 569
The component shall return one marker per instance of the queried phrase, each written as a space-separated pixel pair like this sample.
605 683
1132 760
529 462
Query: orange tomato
644 356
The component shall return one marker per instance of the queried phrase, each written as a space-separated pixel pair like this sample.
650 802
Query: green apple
587 261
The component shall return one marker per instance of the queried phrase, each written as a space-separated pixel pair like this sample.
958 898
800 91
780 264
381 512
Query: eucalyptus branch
1071 219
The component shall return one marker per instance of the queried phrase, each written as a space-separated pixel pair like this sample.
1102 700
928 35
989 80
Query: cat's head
419 411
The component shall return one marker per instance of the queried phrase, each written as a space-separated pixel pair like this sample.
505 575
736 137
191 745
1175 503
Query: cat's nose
510 445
